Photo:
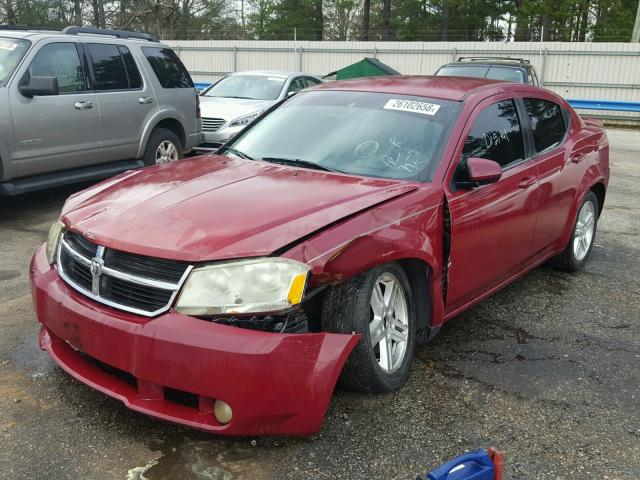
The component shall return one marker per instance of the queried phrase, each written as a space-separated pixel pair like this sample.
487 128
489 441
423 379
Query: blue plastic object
200 86
476 465
605 105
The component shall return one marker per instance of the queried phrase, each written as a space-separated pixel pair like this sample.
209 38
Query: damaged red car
230 292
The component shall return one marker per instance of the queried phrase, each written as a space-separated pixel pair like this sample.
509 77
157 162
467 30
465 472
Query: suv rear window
168 67
547 123
113 67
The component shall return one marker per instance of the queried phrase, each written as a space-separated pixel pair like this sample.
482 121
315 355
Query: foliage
430 20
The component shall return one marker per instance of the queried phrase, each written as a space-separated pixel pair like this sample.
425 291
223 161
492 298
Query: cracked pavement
546 370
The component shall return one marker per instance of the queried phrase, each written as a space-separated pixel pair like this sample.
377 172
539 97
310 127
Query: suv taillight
198 114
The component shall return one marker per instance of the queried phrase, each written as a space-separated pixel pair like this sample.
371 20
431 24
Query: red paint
482 170
212 208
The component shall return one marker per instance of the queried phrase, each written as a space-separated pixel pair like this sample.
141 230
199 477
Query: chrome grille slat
212 124
135 292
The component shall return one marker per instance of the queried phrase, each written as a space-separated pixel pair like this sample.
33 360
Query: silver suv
86 103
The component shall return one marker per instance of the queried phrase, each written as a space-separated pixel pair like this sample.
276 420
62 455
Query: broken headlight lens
249 286
53 240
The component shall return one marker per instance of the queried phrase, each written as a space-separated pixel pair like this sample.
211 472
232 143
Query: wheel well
599 191
175 126
418 273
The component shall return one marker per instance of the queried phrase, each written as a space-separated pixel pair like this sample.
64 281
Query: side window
168 68
135 81
108 67
312 82
547 123
296 85
496 135
59 60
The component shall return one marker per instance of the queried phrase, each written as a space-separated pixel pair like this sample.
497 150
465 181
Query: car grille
134 283
212 124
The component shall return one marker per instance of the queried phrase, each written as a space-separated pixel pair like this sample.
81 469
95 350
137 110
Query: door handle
83 105
145 100
526 182
577 157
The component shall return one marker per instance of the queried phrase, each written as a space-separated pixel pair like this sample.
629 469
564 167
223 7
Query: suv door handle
145 100
526 182
83 105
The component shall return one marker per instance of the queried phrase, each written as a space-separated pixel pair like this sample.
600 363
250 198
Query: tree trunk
522 33
95 7
446 11
77 12
386 20
319 19
366 12
11 13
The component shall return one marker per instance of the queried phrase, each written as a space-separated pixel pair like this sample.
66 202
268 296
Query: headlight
246 120
53 240
249 286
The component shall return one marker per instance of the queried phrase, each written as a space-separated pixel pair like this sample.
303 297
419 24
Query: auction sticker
412 106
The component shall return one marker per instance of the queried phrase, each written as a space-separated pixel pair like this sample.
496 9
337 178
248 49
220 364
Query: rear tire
583 236
163 146
382 359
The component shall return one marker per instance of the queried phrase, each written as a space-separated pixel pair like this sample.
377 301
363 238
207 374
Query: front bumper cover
275 383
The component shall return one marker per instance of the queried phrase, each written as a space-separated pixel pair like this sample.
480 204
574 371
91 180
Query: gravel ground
546 370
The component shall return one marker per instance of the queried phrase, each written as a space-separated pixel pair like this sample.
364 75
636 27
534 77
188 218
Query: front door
491 225
59 131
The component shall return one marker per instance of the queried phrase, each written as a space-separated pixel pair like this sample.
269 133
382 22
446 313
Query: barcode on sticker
412 106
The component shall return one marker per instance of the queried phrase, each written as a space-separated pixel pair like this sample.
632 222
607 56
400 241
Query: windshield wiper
234 151
300 163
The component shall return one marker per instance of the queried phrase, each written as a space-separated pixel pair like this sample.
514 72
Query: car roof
484 63
445 88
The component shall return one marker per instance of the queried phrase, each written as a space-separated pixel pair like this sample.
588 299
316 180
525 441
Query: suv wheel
163 147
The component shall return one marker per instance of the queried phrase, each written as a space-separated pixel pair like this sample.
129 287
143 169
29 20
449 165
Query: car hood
214 207
231 108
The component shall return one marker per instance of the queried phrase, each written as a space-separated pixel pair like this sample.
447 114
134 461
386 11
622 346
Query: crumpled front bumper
274 383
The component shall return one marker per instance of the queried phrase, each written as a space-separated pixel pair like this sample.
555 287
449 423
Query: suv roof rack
112 33
21 28
481 59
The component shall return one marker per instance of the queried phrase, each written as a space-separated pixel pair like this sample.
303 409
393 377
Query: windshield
11 52
255 87
372 134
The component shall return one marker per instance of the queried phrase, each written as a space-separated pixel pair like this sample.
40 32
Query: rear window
504 73
479 71
547 123
168 67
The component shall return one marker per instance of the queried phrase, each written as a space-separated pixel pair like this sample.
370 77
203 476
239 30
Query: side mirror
481 171
40 86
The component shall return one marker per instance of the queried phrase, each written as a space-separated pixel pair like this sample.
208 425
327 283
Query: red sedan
338 231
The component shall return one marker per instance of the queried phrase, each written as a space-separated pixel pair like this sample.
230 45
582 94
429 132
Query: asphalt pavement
547 370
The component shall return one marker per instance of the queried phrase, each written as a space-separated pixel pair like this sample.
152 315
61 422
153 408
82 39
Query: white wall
594 71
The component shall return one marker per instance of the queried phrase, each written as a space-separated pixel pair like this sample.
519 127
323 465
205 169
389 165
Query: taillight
198 115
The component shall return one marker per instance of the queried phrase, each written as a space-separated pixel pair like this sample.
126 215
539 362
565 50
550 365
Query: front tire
379 305
583 236
163 146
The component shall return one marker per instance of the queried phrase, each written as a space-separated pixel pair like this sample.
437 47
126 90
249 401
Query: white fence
594 71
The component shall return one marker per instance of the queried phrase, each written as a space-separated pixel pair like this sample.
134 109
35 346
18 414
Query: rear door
55 132
126 102
492 225
548 130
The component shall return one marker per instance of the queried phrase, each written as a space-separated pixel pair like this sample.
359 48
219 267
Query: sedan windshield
371 134
11 52
254 87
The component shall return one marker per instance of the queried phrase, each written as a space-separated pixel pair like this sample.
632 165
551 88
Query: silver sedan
239 98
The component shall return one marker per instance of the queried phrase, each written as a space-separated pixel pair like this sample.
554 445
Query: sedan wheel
585 228
377 304
389 327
